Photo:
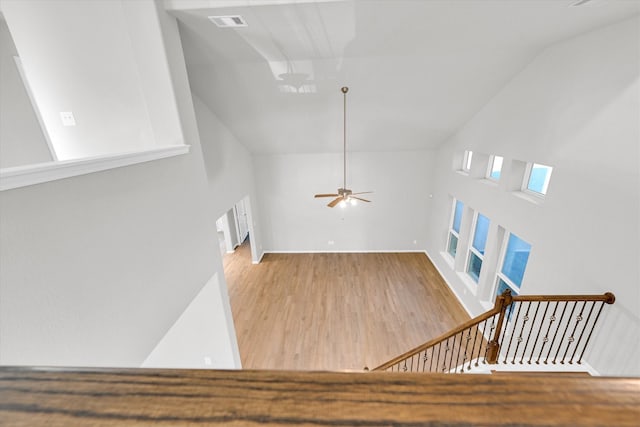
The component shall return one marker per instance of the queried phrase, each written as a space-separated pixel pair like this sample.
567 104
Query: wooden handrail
502 303
466 325
152 397
608 298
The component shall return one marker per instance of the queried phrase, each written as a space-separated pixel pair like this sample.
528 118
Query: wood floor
335 311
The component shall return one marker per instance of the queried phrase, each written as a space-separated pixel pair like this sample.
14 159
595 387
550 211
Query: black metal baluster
572 337
555 334
459 350
546 335
533 323
404 368
424 359
444 357
565 331
433 349
475 338
453 350
586 323
481 340
525 319
513 332
595 322
504 330
438 359
466 348
546 307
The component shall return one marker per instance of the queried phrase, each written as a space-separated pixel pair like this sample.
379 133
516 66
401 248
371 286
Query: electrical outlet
67 118
415 242
331 242
207 360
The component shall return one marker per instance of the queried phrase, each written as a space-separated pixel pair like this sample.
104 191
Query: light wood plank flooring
335 311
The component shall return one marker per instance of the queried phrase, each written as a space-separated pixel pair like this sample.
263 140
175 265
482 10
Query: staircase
544 332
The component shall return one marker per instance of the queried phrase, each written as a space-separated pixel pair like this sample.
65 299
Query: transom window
454 229
537 178
514 263
495 167
476 251
466 162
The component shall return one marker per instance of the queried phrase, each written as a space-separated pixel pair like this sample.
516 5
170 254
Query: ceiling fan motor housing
344 192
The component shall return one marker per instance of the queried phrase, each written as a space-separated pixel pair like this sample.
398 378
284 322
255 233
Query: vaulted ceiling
417 70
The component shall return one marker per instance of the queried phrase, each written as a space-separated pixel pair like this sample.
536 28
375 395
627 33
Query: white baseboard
460 300
259 259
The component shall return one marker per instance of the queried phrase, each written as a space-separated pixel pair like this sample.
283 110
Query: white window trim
467 158
472 249
451 230
490 168
499 273
22 176
525 182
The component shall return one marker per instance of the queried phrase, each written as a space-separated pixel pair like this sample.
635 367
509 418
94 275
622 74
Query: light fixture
344 194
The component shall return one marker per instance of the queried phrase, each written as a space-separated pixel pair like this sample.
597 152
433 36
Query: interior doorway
235 228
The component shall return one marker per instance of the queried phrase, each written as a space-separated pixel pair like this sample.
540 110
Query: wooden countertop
109 397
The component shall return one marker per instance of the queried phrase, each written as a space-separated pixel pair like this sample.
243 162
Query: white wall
95 269
229 170
294 221
102 67
576 108
21 138
190 345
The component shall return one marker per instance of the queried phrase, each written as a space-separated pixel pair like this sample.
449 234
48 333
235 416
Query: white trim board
22 176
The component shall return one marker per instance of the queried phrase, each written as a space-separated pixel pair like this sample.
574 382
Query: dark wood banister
501 304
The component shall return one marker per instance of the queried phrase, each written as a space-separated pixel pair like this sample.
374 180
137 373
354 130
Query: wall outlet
67 118
330 242
207 361
415 242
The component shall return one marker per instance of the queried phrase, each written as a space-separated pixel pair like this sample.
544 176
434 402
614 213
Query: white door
241 217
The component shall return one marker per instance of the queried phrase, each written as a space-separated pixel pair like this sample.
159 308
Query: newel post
502 302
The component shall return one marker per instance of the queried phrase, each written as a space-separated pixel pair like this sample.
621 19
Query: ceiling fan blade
335 202
326 195
358 198
362 192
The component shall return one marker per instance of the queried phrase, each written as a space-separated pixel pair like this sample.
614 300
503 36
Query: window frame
472 249
492 159
467 159
515 289
527 176
452 231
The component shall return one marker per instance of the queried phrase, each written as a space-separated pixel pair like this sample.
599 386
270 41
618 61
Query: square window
495 167
453 245
538 179
474 267
466 163
515 259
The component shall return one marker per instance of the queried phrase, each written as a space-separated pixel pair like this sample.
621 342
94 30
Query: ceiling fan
344 195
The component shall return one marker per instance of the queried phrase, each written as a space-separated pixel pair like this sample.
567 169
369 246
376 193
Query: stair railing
518 329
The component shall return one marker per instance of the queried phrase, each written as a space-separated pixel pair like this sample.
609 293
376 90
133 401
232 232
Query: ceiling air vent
228 21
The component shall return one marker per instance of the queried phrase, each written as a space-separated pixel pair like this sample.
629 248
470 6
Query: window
513 265
476 251
537 179
495 167
454 231
466 162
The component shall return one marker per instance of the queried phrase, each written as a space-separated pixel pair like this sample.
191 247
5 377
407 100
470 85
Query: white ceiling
417 70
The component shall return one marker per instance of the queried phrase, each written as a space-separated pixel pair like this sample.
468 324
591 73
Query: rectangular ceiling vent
228 21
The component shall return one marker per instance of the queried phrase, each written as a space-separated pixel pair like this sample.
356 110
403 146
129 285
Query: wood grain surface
335 311
37 397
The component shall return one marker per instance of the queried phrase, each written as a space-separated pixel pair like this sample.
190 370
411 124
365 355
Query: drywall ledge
22 176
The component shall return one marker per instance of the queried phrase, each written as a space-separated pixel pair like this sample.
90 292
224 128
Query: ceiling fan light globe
353 201
343 204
